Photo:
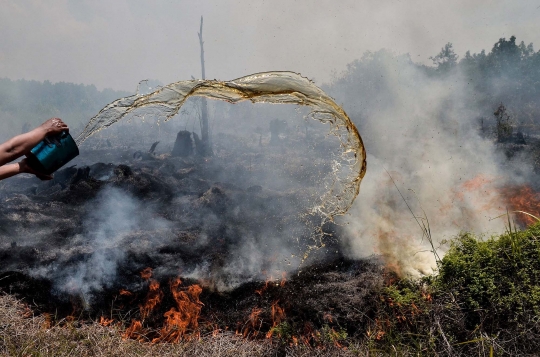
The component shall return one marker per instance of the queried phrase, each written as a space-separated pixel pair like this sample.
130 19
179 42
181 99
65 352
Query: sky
117 43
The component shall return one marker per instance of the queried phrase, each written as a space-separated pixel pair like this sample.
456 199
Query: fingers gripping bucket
53 153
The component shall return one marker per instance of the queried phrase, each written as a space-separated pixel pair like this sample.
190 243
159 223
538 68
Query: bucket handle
50 141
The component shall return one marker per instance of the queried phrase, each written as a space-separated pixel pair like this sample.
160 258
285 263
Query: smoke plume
425 154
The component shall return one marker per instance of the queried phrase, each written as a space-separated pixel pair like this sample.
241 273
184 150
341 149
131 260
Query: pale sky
117 43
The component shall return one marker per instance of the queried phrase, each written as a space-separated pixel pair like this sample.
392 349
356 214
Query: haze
115 44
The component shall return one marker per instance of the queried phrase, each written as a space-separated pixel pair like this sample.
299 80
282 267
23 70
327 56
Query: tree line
508 75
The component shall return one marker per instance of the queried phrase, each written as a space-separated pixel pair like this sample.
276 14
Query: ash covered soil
189 218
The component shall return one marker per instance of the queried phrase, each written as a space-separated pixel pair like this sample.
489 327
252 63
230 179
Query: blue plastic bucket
53 153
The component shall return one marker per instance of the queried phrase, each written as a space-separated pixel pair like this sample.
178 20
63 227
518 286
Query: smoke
245 214
91 260
345 166
239 216
421 136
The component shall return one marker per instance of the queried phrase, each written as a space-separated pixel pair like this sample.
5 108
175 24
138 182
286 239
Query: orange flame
146 273
153 298
134 331
216 330
183 319
328 317
47 323
278 315
103 321
253 322
283 279
180 322
522 198
263 289
308 334
477 183
125 293
380 329
27 312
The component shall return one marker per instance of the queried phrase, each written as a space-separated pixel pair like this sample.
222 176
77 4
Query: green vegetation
485 299
282 330
496 281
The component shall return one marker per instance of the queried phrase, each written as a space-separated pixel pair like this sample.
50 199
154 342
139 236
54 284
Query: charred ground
43 219
45 224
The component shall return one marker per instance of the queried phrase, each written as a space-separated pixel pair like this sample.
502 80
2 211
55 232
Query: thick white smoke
421 130
113 220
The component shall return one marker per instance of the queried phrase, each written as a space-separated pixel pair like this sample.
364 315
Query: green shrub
484 300
283 330
496 281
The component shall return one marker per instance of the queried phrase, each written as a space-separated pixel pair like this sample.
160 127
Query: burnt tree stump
183 146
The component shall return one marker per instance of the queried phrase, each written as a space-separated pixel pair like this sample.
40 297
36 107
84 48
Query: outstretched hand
25 168
54 126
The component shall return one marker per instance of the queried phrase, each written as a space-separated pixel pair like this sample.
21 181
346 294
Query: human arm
19 168
22 144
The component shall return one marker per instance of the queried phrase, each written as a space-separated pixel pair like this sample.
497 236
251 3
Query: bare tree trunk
206 147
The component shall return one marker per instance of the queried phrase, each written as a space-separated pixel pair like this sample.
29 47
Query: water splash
268 87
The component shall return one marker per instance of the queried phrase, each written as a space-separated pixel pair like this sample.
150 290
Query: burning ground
179 244
153 248
179 248
156 243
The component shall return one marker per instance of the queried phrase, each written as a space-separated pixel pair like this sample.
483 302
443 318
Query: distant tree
509 73
505 57
446 60
526 51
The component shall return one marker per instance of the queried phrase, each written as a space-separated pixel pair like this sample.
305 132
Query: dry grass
24 334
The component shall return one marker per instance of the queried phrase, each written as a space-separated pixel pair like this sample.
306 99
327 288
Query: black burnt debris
54 261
